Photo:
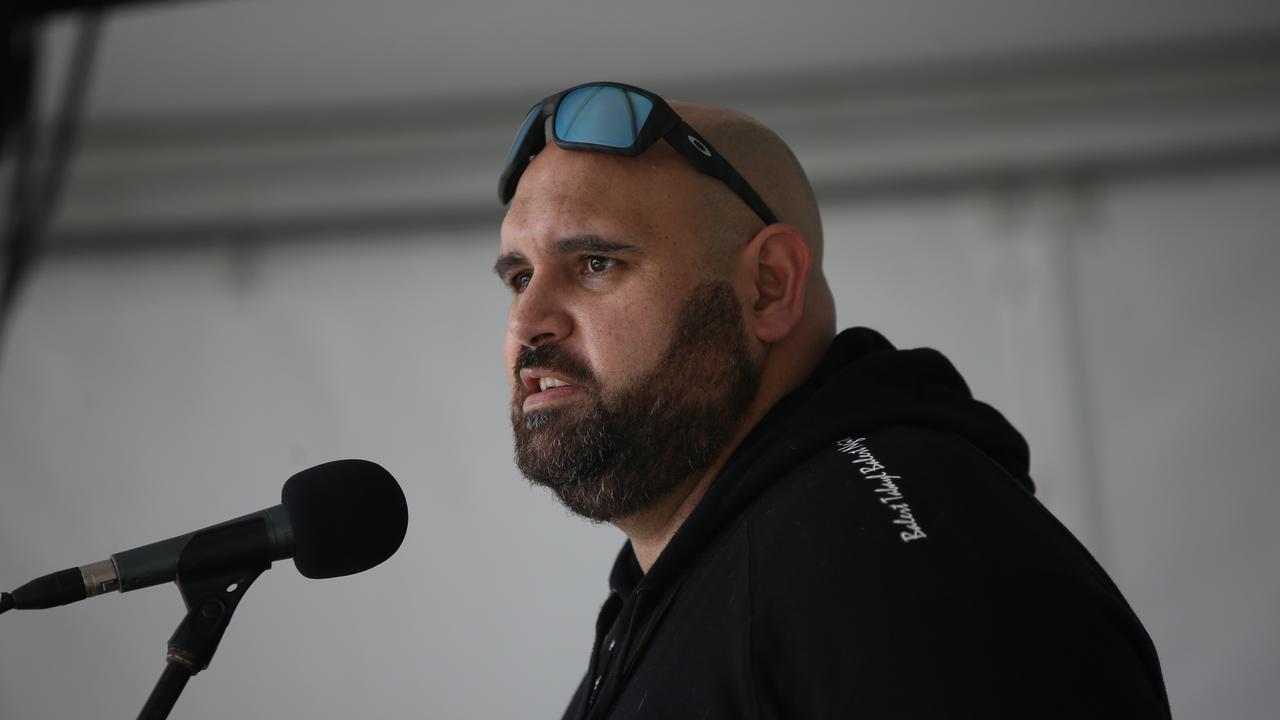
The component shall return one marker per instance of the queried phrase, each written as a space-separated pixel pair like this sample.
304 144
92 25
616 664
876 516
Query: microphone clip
215 569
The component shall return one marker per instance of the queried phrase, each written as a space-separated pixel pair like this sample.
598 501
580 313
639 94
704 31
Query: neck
652 528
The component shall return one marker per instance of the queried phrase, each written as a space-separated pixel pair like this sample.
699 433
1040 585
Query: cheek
510 349
629 338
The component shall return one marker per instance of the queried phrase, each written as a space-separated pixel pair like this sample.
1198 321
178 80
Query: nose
538 315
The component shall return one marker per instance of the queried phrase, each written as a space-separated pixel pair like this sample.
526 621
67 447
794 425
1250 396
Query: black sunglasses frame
662 124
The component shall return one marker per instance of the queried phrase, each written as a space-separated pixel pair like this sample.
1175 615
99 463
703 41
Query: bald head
760 156
765 161
689 228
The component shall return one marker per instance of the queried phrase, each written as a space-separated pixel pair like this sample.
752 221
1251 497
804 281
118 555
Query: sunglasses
618 119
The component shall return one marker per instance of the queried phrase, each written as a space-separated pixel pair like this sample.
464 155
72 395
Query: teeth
546 382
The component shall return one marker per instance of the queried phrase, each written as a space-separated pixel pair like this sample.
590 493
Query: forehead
565 193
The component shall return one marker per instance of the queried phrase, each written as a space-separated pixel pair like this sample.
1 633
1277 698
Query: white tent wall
147 394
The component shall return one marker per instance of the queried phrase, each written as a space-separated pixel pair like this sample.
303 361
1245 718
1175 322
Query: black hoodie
873 549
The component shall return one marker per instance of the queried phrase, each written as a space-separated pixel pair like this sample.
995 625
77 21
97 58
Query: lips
540 386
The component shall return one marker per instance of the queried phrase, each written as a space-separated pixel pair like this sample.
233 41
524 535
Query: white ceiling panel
194 56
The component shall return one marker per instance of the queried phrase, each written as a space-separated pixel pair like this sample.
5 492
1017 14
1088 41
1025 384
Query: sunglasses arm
708 160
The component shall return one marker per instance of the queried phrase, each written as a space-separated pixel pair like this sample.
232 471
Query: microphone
335 519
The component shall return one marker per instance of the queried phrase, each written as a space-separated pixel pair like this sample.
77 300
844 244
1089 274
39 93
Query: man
819 525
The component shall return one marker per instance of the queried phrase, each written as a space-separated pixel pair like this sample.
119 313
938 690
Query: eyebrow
575 244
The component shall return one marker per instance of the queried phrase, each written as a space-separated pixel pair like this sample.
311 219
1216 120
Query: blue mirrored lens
602 115
529 120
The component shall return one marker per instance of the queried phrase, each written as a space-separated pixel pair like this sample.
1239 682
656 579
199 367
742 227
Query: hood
862 384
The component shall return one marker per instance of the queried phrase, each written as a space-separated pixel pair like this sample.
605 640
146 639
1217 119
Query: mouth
543 387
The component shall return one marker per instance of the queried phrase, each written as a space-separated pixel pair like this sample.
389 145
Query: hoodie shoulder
904 572
903 503
914 506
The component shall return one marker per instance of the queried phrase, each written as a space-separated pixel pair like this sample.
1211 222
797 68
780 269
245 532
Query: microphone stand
211 587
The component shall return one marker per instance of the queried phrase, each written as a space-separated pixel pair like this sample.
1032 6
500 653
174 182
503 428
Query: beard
630 448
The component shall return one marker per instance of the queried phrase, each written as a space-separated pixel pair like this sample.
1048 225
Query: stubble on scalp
630 448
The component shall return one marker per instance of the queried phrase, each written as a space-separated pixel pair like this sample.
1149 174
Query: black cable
66 132
34 199
6 602
23 55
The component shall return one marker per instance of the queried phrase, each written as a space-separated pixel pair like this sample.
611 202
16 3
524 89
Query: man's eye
597 264
520 281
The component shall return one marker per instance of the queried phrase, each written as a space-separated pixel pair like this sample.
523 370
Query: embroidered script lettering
886 486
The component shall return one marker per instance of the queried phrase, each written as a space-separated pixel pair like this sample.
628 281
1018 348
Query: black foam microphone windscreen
347 516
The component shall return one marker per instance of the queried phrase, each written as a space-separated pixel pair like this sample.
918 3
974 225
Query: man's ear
779 256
